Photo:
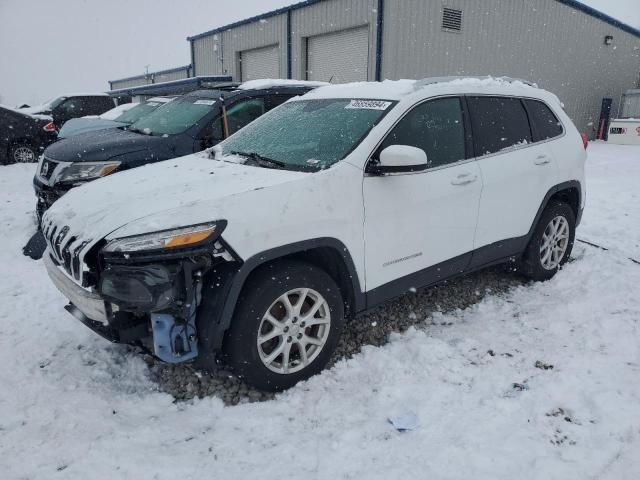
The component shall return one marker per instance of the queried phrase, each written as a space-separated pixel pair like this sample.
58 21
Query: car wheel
22 153
286 325
551 244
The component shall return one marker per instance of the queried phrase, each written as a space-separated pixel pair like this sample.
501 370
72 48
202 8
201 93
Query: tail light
585 140
49 127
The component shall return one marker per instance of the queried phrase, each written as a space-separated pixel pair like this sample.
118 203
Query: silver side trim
91 304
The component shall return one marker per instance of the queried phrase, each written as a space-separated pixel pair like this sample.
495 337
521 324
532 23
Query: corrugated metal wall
331 16
544 41
130 82
172 75
219 53
153 77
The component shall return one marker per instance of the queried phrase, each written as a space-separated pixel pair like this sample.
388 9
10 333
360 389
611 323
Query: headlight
179 237
87 171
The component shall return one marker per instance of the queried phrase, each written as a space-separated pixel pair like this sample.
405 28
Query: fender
216 311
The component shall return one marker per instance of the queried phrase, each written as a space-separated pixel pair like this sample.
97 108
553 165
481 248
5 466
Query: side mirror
400 159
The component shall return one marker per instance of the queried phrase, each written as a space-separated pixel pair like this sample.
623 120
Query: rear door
516 171
418 220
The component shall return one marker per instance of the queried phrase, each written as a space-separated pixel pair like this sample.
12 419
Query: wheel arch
327 253
569 192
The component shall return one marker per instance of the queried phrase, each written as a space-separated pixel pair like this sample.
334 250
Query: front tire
551 243
287 324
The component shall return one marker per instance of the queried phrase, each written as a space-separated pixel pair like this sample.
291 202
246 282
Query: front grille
47 168
67 249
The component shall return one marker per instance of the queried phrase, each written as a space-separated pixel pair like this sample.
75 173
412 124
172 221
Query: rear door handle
464 179
542 160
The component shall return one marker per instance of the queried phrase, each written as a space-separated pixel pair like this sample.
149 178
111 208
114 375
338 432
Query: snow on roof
39 116
275 82
399 89
160 99
116 112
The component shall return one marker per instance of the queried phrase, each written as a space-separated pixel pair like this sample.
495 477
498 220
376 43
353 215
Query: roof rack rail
433 80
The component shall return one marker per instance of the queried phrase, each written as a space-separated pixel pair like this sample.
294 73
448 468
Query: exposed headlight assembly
81 171
167 239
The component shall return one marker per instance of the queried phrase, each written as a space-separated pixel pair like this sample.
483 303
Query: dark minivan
186 125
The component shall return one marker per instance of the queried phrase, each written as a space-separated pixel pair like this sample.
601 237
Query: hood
100 145
76 126
170 194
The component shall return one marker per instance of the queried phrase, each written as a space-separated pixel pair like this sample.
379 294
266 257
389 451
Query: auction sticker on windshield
204 102
369 104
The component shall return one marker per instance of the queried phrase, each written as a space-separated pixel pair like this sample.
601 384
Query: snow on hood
170 194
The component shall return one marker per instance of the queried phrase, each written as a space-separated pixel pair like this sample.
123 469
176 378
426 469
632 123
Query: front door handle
542 160
464 179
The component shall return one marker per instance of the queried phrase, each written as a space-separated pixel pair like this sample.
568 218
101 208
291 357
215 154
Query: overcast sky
50 47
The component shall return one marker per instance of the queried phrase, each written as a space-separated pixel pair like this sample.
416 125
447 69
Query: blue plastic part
174 342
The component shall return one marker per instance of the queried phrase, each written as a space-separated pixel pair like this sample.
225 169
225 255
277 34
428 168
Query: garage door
340 57
260 63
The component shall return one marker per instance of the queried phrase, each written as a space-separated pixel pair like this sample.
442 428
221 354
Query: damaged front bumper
152 304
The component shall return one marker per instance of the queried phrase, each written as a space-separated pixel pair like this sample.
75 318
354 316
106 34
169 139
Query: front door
420 227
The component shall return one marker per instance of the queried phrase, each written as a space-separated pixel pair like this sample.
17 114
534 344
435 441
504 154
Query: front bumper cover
90 304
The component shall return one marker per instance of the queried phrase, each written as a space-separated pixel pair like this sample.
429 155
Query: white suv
322 209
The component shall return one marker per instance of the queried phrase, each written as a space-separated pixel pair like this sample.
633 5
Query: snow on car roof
160 99
274 82
39 116
400 89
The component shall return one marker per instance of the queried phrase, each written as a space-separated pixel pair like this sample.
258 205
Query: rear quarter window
498 123
545 124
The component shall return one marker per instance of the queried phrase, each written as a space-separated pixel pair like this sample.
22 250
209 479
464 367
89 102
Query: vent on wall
451 20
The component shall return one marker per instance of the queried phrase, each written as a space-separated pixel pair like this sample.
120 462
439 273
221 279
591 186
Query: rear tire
551 243
287 324
22 153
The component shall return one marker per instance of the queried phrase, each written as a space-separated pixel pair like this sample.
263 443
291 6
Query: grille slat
67 250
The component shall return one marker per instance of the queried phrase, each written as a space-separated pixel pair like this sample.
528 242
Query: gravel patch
417 308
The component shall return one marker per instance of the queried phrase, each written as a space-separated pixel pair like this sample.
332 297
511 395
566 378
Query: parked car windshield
174 117
136 113
309 133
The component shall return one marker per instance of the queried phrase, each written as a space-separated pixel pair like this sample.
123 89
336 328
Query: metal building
161 76
579 53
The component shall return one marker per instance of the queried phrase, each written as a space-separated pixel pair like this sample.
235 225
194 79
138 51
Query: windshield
137 112
309 133
174 117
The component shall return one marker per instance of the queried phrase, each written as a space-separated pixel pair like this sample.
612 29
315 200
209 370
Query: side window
213 132
498 123
544 122
71 106
274 101
243 113
437 127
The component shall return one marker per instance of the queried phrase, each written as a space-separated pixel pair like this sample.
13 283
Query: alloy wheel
294 330
24 155
555 241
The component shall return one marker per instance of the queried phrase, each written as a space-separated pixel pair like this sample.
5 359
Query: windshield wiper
261 159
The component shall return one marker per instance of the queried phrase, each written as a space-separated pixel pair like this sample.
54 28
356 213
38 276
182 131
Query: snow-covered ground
74 407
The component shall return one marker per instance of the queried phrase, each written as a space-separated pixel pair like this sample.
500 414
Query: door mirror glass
401 159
